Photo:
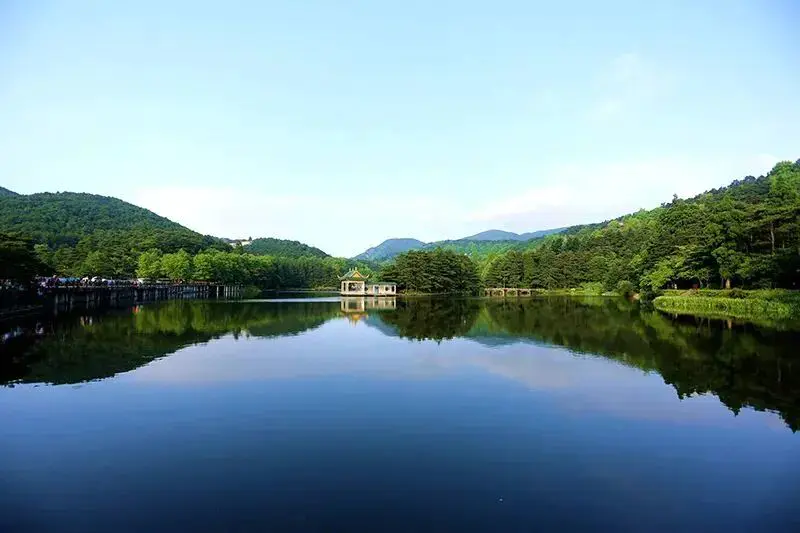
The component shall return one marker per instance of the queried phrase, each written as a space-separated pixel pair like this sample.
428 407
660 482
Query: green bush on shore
737 307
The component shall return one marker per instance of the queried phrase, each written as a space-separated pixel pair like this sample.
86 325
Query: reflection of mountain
101 346
742 365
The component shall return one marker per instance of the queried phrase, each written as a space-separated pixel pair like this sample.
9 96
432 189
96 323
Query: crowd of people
96 281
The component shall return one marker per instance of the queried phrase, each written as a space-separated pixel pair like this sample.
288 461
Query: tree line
744 235
263 271
432 272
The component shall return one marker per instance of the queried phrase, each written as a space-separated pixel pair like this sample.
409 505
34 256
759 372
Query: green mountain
476 246
283 248
6 192
73 228
389 248
744 235
500 235
63 219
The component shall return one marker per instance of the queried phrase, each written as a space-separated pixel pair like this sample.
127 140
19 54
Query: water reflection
744 366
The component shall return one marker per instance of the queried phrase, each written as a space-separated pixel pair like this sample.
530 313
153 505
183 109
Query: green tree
150 264
178 266
18 259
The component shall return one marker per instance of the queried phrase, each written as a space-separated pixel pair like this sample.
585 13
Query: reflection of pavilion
357 307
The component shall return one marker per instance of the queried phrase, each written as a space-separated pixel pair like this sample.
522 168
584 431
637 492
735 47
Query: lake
405 415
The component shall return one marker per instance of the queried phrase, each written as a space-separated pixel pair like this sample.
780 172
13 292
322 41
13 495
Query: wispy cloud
627 83
595 191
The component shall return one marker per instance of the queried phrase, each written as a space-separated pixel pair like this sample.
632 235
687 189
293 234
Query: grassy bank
758 305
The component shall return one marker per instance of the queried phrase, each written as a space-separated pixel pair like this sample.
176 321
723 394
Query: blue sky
344 123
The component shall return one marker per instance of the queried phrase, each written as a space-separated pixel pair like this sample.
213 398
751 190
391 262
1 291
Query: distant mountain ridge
7 192
493 238
501 235
389 248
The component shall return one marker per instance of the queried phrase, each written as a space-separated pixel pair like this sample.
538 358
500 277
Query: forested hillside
6 192
500 235
88 235
283 248
78 233
478 246
743 235
389 249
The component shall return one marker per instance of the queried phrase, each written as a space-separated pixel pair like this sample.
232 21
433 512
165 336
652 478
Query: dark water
421 415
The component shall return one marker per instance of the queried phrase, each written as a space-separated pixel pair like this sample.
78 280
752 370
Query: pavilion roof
354 274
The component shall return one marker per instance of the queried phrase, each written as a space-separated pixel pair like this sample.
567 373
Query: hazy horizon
343 125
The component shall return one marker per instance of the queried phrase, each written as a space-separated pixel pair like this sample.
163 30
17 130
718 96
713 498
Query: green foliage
755 309
177 266
283 248
433 272
389 249
744 235
19 260
592 287
85 234
90 235
150 265
625 288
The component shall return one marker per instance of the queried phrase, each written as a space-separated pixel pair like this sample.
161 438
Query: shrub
737 294
625 288
592 287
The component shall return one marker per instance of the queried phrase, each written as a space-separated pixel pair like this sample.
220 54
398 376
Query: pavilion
354 283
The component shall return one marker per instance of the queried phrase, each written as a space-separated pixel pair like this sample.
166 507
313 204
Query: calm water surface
419 415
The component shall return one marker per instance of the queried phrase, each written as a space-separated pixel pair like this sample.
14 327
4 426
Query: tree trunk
728 283
772 236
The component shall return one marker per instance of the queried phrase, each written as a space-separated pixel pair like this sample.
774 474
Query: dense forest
265 272
81 234
432 272
283 248
744 235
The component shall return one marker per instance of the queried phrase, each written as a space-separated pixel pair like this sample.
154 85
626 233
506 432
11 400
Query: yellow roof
354 274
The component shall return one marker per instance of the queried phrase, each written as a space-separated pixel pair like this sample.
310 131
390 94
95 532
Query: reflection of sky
343 420
579 383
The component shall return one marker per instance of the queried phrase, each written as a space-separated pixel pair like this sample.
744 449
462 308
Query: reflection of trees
82 350
432 318
742 365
